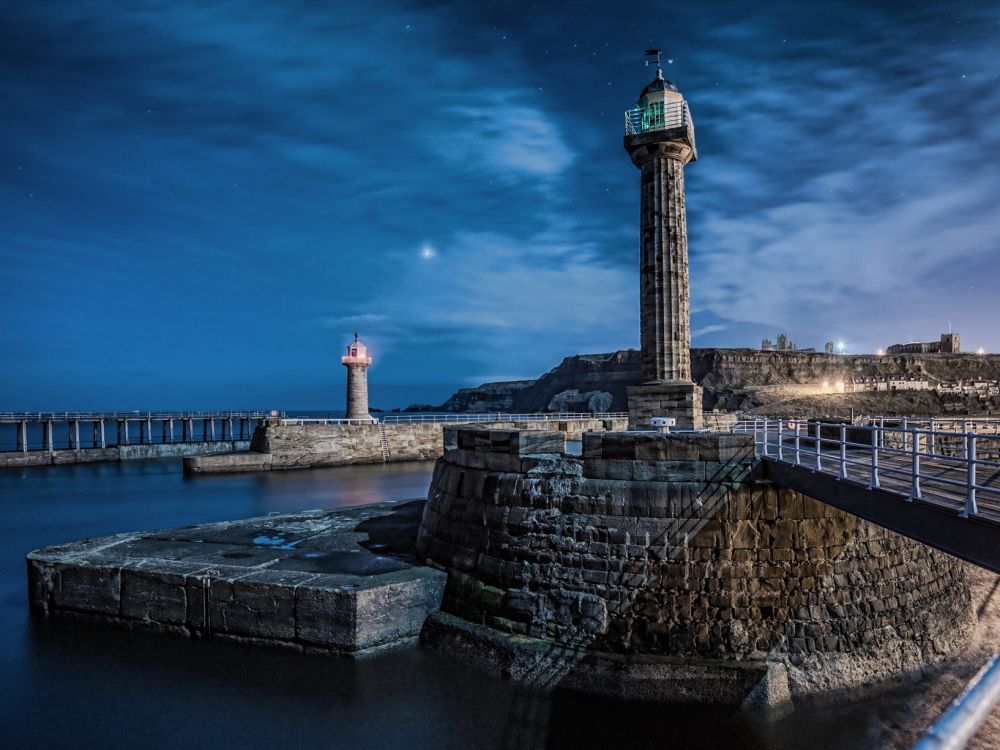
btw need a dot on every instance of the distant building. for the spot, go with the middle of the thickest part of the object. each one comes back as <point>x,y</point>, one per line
<point>783,345</point>
<point>950,343</point>
<point>828,347</point>
<point>861,385</point>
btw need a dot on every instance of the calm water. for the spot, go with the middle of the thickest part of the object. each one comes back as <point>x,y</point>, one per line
<point>67,685</point>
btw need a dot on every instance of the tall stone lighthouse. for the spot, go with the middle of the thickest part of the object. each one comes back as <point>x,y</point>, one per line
<point>659,138</point>
<point>357,363</point>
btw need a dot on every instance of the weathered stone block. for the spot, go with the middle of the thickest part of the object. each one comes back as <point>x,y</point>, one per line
<point>157,593</point>
<point>532,442</point>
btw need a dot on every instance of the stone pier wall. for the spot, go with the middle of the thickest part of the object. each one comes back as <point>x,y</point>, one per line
<point>665,545</point>
<point>16,459</point>
<point>300,446</point>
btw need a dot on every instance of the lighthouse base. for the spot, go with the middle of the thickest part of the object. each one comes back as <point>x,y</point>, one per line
<point>678,399</point>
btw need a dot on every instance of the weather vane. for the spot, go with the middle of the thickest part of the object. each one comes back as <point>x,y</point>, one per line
<point>659,65</point>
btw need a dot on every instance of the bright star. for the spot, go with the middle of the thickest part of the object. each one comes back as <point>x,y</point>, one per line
<point>427,252</point>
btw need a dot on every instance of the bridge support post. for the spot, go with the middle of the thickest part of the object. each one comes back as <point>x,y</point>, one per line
<point>874,484</point>
<point>103,441</point>
<point>970,486</point>
<point>76,434</point>
<point>843,451</point>
<point>22,436</point>
<point>915,445</point>
<point>149,429</point>
<point>49,439</point>
<point>171,421</point>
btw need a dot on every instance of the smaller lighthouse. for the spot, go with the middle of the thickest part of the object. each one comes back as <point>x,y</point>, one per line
<point>357,362</point>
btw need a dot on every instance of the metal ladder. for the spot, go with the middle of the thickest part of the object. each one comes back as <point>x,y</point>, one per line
<point>383,441</point>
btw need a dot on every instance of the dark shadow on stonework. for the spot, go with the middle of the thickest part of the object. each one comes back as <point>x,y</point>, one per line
<point>394,534</point>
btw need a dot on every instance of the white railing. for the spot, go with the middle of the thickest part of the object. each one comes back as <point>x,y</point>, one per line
<point>92,416</point>
<point>961,468</point>
<point>658,116</point>
<point>500,417</point>
<point>319,420</point>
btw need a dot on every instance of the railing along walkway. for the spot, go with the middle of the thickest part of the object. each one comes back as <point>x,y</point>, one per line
<point>953,470</point>
<point>501,417</point>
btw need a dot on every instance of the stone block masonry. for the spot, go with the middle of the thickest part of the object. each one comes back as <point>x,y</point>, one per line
<point>305,580</point>
<point>14,460</point>
<point>301,446</point>
<point>677,399</point>
<point>653,547</point>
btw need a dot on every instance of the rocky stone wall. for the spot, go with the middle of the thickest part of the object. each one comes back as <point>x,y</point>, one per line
<point>578,379</point>
<point>665,545</point>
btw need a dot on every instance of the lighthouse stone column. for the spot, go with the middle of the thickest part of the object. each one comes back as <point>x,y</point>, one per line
<point>659,139</point>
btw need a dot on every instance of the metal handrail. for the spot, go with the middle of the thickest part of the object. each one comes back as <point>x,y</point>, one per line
<point>501,417</point>
<point>962,719</point>
<point>320,420</point>
<point>659,116</point>
<point>88,416</point>
<point>785,438</point>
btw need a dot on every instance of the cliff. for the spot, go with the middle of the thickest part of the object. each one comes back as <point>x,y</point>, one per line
<point>484,398</point>
<point>737,379</point>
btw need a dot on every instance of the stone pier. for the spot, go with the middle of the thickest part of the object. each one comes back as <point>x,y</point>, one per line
<point>660,566</point>
<point>343,581</point>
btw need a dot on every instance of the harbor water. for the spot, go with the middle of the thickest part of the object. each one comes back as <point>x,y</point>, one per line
<point>73,685</point>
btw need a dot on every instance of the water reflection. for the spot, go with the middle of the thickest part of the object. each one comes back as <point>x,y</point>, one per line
<point>72,685</point>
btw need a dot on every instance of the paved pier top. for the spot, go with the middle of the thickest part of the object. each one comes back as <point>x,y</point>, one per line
<point>342,580</point>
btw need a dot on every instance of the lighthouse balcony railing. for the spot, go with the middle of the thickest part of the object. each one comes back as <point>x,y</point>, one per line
<point>658,116</point>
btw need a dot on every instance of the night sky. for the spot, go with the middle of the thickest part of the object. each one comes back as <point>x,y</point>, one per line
<point>202,201</point>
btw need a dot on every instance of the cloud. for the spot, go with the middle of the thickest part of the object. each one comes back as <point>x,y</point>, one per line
<point>512,140</point>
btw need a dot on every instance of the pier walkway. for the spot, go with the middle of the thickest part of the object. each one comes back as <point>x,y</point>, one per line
<point>49,431</point>
<point>934,483</point>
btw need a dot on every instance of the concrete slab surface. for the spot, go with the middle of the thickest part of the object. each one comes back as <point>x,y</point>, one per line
<point>345,581</point>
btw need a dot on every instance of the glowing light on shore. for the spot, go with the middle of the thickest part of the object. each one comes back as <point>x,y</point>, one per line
<point>879,352</point>
<point>980,351</point>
